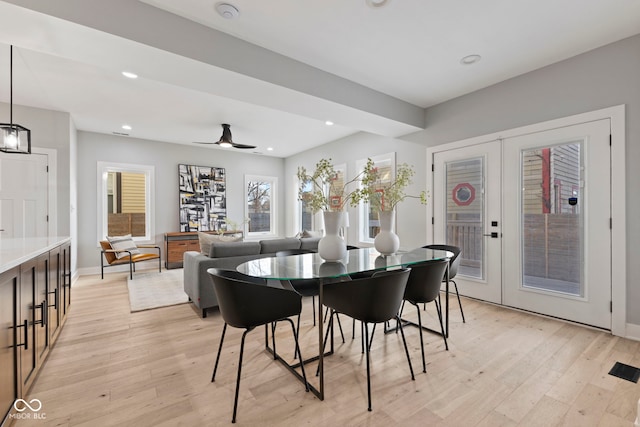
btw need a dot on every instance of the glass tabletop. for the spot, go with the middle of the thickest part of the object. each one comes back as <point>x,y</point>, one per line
<point>310,266</point>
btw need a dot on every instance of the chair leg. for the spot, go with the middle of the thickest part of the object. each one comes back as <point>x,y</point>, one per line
<point>313,305</point>
<point>215,368</point>
<point>326,312</point>
<point>366,335</point>
<point>444,336</point>
<point>130,268</point>
<point>406,349</point>
<point>273,339</point>
<point>455,285</point>
<point>235,402</point>
<point>424,363</point>
<point>297,332</point>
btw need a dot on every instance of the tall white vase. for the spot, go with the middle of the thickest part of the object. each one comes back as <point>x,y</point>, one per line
<point>386,241</point>
<point>332,247</point>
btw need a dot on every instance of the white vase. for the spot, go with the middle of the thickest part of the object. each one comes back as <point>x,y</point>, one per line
<point>386,241</point>
<point>332,247</point>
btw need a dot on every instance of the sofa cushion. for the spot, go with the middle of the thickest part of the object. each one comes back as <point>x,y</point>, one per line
<point>206,239</point>
<point>229,249</point>
<point>275,245</point>
<point>309,243</point>
<point>311,233</point>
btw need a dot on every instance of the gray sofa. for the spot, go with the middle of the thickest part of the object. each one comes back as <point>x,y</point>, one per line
<point>228,255</point>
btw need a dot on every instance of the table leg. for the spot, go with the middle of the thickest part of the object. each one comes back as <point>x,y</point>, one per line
<point>446,295</point>
<point>320,340</point>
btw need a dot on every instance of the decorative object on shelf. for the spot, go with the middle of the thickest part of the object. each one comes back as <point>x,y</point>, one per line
<point>384,195</point>
<point>329,193</point>
<point>203,200</point>
<point>15,138</point>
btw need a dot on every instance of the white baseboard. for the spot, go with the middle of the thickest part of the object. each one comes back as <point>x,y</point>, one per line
<point>633,332</point>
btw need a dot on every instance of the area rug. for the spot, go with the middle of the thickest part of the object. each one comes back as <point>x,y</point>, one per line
<point>154,289</point>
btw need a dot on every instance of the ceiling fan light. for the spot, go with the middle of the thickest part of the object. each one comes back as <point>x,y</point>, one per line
<point>225,144</point>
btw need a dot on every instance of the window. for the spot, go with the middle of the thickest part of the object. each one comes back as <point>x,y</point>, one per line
<point>305,214</point>
<point>368,223</point>
<point>125,201</point>
<point>261,205</point>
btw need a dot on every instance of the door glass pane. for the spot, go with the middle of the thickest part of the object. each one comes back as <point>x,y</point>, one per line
<point>552,223</point>
<point>465,213</point>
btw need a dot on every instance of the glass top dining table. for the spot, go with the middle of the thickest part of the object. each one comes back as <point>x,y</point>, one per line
<point>312,266</point>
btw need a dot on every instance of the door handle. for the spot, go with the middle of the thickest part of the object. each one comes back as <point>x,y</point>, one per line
<point>493,235</point>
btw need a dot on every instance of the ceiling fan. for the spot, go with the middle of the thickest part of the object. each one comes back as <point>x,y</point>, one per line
<point>226,141</point>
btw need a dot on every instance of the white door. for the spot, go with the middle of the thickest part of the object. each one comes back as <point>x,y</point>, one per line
<point>557,237</point>
<point>466,209</point>
<point>23,195</point>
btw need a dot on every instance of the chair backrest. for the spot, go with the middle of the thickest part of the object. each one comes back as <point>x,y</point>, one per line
<point>455,261</point>
<point>425,281</point>
<point>246,302</point>
<point>372,299</point>
<point>108,256</point>
<point>294,252</point>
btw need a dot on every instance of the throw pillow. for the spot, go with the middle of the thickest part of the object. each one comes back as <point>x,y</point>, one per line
<point>311,233</point>
<point>206,239</point>
<point>123,243</point>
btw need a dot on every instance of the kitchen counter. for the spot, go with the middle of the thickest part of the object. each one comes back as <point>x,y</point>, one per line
<point>16,251</point>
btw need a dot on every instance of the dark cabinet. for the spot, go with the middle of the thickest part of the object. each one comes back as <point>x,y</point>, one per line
<point>34,301</point>
<point>11,335</point>
<point>33,316</point>
<point>54,291</point>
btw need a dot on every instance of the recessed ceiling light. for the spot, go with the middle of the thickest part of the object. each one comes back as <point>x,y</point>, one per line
<point>126,127</point>
<point>376,3</point>
<point>470,59</point>
<point>269,148</point>
<point>130,75</point>
<point>328,123</point>
<point>227,11</point>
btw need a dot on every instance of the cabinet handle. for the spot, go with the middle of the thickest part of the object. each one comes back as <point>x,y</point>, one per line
<point>25,325</point>
<point>45,313</point>
<point>43,309</point>
<point>55,298</point>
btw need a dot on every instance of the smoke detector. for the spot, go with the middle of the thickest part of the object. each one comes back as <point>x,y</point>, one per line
<point>227,11</point>
<point>376,3</point>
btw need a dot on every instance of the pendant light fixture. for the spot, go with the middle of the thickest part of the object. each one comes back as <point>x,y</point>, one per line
<point>13,137</point>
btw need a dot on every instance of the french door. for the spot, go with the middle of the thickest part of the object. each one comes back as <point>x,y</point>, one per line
<point>531,214</point>
<point>467,210</point>
<point>557,237</point>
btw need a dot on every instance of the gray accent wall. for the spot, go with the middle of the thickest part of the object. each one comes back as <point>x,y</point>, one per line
<point>601,78</point>
<point>165,157</point>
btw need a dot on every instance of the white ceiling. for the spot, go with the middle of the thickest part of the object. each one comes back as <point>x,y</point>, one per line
<point>290,64</point>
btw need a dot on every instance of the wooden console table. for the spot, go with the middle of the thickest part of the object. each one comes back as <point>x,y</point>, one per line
<point>177,243</point>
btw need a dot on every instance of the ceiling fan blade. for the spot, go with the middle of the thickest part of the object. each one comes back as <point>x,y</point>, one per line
<point>243,146</point>
<point>206,143</point>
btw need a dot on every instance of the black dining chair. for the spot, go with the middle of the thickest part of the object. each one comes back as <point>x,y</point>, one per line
<point>423,286</point>
<point>247,302</point>
<point>374,299</point>
<point>454,263</point>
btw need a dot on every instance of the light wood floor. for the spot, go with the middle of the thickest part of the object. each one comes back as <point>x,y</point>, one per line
<point>111,367</point>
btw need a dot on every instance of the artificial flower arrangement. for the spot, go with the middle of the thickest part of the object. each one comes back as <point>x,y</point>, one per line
<point>328,193</point>
<point>383,195</point>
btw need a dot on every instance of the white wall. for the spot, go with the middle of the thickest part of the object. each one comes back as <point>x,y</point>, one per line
<point>411,219</point>
<point>165,157</point>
